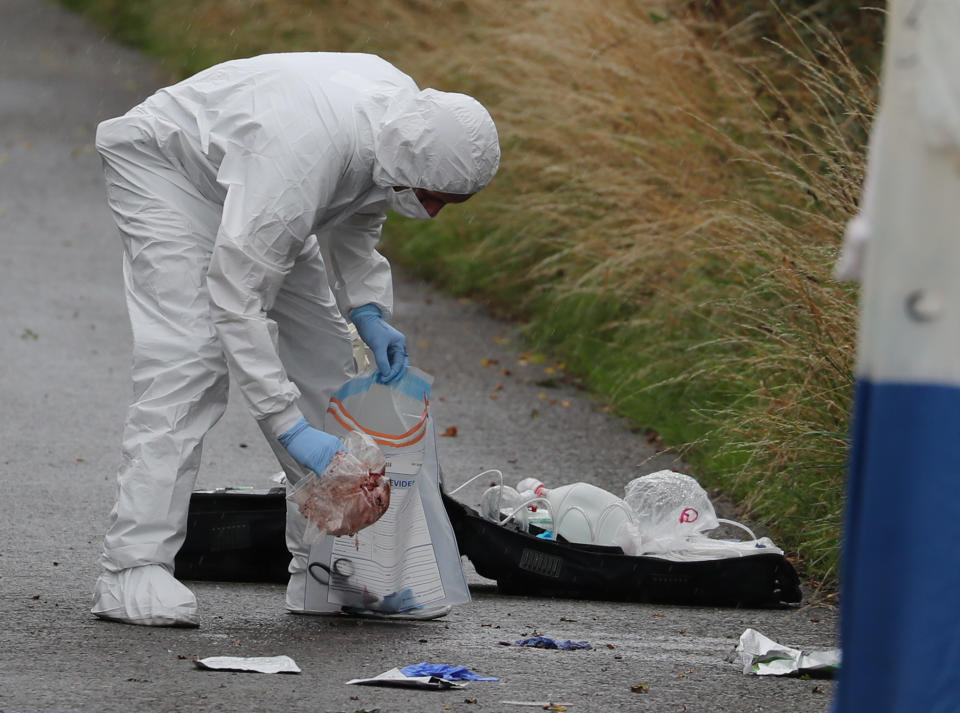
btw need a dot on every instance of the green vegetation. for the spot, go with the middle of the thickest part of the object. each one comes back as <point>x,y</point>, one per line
<point>675,181</point>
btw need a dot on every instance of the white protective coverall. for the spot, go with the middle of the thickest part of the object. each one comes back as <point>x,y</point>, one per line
<point>220,186</point>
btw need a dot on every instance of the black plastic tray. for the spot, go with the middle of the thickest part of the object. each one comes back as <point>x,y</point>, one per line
<point>524,564</point>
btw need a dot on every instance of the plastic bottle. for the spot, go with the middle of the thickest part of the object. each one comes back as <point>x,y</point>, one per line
<point>498,501</point>
<point>583,512</point>
<point>537,514</point>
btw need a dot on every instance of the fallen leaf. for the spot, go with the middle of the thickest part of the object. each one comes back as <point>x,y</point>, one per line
<point>506,372</point>
<point>656,613</point>
<point>565,404</point>
<point>79,460</point>
<point>611,646</point>
<point>423,344</point>
<point>450,432</point>
<point>469,700</point>
<point>818,689</point>
<point>640,688</point>
<point>549,370</point>
<point>494,396</point>
<point>500,340</point>
<point>498,387</point>
<point>489,362</point>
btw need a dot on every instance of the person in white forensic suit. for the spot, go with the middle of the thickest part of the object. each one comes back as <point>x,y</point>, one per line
<point>225,187</point>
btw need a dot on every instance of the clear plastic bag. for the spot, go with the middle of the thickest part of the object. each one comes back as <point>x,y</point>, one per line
<point>353,492</point>
<point>670,508</point>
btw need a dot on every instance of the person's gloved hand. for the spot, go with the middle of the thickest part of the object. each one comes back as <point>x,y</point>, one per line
<point>311,448</point>
<point>388,345</point>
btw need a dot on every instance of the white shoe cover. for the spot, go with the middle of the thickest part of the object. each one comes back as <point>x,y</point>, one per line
<point>147,595</point>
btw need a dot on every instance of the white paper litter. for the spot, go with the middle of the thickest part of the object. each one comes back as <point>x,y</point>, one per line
<point>765,657</point>
<point>258,664</point>
<point>394,677</point>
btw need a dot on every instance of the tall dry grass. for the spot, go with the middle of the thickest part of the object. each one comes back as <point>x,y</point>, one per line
<point>707,192</point>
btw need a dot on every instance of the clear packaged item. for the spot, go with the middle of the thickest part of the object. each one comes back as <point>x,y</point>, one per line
<point>353,492</point>
<point>669,509</point>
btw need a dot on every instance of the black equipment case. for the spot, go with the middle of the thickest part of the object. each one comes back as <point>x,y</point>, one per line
<point>235,535</point>
<point>238,535</point>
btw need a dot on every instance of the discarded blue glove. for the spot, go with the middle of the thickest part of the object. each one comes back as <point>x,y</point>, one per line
<point>402,600</point>
<point>445,671</point>
<point>388,345</point>
<point>311,448</point>
<point>543,642</point>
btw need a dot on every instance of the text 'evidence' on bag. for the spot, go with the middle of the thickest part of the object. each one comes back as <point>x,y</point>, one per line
<point>408,561</point>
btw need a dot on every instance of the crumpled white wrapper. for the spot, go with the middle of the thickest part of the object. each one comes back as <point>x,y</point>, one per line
<point>256,664</point>
<point>395,678</point>
<point>765,657</point>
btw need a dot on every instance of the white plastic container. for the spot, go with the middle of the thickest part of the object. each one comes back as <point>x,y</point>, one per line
<point>584,513</point>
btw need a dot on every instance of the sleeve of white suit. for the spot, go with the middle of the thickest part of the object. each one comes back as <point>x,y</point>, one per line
<point>273,198</point>
<point>361,275</point>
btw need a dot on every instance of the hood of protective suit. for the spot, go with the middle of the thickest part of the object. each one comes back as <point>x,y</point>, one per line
<point>439,141</point>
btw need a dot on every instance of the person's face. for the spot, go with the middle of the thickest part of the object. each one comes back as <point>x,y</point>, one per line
<point>434,201</point>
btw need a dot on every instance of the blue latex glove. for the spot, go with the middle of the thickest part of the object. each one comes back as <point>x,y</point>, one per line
<point>389,346</point>
<point>311,448</point>
<point>445,671</point>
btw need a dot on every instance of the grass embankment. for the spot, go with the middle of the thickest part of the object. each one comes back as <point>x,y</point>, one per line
<point>665,220</point>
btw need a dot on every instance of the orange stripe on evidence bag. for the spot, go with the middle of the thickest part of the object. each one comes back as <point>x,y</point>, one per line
<point>380,441</point>
<point>358,427</point>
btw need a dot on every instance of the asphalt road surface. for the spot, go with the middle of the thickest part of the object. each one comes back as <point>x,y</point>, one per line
<point>64,355</point>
